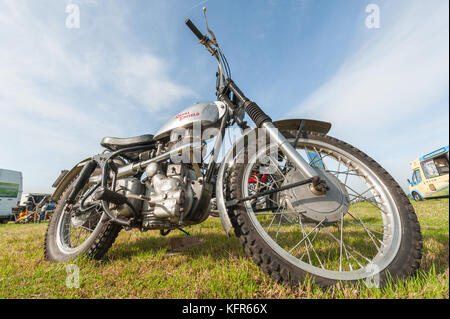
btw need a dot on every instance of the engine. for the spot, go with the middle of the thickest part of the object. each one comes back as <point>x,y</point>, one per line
<point>170,193</point>
<point>163,198</point>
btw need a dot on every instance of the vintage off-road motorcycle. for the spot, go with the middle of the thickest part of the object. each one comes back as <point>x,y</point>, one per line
<point>303,204</point>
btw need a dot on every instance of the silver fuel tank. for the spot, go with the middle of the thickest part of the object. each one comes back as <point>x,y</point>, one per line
<point>207,114</point>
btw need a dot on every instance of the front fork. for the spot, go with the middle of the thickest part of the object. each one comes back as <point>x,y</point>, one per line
<point>287,149</point>
<point>262,120</point>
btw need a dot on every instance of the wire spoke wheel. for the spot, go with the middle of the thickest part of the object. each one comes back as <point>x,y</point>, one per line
<point>75,227</point>
<point>352,232</point>
<point>73,231</point>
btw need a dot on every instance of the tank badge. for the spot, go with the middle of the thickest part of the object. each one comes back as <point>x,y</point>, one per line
<point>185,115</point>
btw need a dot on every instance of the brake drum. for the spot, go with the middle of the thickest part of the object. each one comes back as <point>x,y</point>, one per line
<point>331,205</point>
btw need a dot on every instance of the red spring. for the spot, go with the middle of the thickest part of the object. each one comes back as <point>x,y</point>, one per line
<point>255,177</point>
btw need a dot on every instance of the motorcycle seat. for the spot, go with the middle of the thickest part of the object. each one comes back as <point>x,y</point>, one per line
<point>115,143</point>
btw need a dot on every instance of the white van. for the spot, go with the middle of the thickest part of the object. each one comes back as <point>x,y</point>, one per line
<point>10,193</point>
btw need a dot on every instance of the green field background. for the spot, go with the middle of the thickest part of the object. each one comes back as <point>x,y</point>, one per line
<point>139,266</point>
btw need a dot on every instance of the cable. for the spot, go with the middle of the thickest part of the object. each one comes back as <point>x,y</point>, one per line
<point>225,63</point>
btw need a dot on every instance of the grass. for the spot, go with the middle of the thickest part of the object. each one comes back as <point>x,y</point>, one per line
<point>286,232</point>
<point>138,266</point>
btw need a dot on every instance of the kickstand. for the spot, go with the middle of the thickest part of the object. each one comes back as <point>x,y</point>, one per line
<point>184,231</point>
<point>164,232</point>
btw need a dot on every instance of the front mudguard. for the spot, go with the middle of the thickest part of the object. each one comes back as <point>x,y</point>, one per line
<point>233,152</point>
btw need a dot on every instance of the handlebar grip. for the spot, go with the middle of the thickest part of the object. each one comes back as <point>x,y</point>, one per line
<point>194,29</point>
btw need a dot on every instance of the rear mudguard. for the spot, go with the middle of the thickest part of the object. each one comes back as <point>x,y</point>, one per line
<point>228,160</point>
<point>62,183</point>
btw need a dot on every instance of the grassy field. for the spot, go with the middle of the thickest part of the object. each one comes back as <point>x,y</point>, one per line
<point>139,266</point>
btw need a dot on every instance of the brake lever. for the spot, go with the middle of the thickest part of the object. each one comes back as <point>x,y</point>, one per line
<point>213,37</point>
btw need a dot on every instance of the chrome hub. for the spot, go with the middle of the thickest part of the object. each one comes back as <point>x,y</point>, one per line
<point>329,206</point>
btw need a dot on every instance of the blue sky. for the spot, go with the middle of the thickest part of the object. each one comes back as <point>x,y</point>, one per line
<point>133,64</point>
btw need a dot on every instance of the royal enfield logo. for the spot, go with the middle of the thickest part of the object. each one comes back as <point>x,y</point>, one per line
<point>186,115</point>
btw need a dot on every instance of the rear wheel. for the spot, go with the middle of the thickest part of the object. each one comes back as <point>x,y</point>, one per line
<point>72,233</point>
<point>363,228</point>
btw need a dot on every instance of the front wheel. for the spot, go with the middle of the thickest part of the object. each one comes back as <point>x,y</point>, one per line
<point>362,229</point>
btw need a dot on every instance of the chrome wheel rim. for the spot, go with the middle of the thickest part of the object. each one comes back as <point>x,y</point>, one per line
<point>377,218</point>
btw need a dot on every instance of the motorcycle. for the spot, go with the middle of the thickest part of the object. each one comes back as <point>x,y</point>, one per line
<point>302,203</point>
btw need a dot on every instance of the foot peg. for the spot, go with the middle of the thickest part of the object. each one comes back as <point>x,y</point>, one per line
<point>110,196</point>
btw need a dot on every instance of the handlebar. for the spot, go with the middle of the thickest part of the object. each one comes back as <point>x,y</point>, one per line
<point>253,110</point>
<point>194,29</point>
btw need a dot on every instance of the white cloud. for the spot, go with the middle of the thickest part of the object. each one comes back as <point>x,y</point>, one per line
<point>144,78</point>
<point>61,89</point>
<point>401,70</point>
<point>381,97</point>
